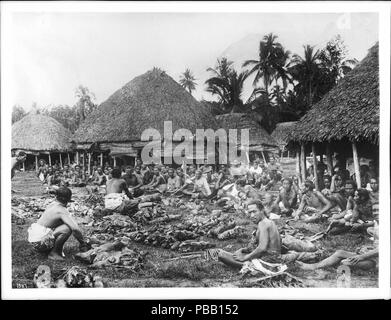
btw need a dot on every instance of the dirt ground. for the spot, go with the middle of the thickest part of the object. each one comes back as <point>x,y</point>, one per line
<point>180,273</point>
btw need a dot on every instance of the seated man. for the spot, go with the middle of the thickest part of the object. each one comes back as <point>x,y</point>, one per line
<point>287,197</point>
<point>173,181</point>
<point>269,205</point>
<point>116,192</point>
<point>78,178</point>
<point>136,182</point>
<point>67,174</point>
<point>158,183</point>
<point>54,227</point>
<point>327,184</point>
<point>201,187</point>
<point>374,195</point>
<point>275,183</point>
<point>358,215</point>
<point>365,258</point>
<point>267,238</point>
<point>313,202</point>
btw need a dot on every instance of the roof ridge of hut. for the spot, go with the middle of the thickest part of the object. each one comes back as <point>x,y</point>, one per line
<point>349,110</point>
<point>38,132</point>
<point>144,102</point>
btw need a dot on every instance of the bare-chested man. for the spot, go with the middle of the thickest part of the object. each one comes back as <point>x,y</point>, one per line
<point>267,238</point>
<point>313,202</point>
<point>287,197</point>
<point>54,227</point>
<point>116,189</point>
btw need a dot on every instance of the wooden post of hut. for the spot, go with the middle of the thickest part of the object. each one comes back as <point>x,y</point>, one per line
<point>329,159</point>
<point>89,162</point>
<point>77,157</point>
<point>60,160</point>
<point>303,168</point>
<point>298,172</point>
<point>50,160</point>
<point>23,166</point>
<point>36,163</point>
<point>356,165</point>
<point>69,159</point>
<point>315,166</point>
<point>101,159</point>
<point>115,161</point>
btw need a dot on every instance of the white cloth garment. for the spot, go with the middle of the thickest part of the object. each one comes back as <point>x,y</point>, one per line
<point>37,233</point>
<point>114,200</point>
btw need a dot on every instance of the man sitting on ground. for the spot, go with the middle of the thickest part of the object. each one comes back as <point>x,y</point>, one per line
<point>312,203</point>
<point>267,238</point>
<point>173,181</point>
<point>54,227</point>
<point>116,192</point>
<point>78,178</point>
<point>287,197</point>
<point>270,206</point>
<point>201,187</point>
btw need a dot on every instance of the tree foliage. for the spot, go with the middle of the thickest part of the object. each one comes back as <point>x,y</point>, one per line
<point>17,113</point>
<point>187,80</point>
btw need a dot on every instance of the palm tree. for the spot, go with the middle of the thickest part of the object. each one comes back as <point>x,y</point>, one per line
<point>305,70</point>
<point>187,80</point>
<point>85,101</point>
<point>271,64</point>
<point>227,84</point>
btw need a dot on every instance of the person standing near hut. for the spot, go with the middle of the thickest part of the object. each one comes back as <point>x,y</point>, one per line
<point>20,158</point>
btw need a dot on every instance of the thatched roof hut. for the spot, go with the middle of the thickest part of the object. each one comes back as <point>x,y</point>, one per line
<point>260,140</point>
<point>145,102</point>
<point>281,133</point>
<point>349,111</point>
<point>38,133</point>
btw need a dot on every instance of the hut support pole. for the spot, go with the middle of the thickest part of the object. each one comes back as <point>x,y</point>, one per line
<point>60,160</point>
<point>356,165</point>
<point>77,157</point>
<point>329,159</point>
<point>302,162</point>
<point>50,160</point>
<point>36,163</point>
<point>315,167</point>
<point>298,173</point>
<point>264,158</point>
<point>69,159</point>
<point>23,167</point>
<point>115,161</point>
<point>89,162</point>
<point>101,159</point>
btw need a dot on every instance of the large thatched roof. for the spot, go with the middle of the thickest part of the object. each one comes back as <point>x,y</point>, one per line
<point>350,110</point>
<point>258,135</point>
<point>282,131</point>
<point>36,132</point>
<point>145,102</point>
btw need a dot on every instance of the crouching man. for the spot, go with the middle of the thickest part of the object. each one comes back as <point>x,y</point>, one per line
<point>54,227</point>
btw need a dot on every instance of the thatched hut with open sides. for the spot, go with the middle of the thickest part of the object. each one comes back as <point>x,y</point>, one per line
<point>41,136</point>
<point>281,135</point>
<point>346,120</point>
<point>145,102</point>
<point>261,143</point>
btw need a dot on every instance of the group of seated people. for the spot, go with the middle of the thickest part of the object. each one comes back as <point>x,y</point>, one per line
<point>266,194</point>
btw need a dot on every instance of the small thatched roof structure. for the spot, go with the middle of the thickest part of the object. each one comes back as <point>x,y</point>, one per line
<point>281,133</point>
<point>349,111</point>
<point>258,135</point>
<point>145,102</point>
<point>36,132</point>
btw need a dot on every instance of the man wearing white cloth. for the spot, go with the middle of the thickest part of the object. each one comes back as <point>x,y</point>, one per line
<point>117,193</point>
<point>54,227</point>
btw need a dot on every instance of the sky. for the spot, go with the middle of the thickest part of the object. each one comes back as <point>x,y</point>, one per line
<point>55,52</point>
